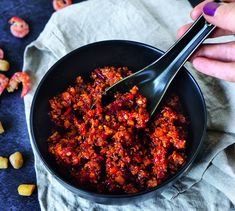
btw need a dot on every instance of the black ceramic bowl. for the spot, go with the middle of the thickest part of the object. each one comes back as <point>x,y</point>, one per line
<point>111,53</point>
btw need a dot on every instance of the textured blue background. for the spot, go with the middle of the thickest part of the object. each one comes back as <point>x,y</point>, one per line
<point>12,115</point>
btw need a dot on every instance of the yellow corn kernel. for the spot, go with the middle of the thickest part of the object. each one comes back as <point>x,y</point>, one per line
<point>16,160</point>
<point>3,163</point>
<point>26,189</point>
<point>4,65</point>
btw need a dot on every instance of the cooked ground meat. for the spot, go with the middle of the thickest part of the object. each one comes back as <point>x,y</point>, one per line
<point>115,148</point>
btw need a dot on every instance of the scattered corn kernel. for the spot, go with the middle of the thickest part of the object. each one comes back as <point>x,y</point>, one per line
<point>16,160</point>
<point>4,65</point>
<point>3,163</point>
<point>26,189</point>
<point>1,128</point>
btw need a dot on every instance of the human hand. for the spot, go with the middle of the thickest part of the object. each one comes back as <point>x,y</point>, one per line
<point>217,60</point>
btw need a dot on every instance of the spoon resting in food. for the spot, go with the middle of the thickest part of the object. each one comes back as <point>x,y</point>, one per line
<point>154,80</point>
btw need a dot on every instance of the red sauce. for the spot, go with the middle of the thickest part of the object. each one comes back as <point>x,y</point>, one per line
<point>115,148</point>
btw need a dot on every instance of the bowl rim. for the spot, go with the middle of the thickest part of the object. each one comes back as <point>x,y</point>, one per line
<point>83,192</point>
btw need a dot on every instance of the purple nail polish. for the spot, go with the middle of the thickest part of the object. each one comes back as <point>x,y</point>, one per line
<point>210,8</point>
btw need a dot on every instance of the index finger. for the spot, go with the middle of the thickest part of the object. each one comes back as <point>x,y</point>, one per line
<point>198,10</point>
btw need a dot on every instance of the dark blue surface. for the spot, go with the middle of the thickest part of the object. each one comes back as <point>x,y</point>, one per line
<point>12,114</point>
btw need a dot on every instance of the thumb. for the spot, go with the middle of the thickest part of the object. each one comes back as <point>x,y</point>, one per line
<point>221,15</point>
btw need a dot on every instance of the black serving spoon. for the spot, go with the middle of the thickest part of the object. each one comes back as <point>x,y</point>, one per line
<point>154,79</point>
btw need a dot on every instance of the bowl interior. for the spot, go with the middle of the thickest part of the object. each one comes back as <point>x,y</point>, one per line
<point>111,53</point>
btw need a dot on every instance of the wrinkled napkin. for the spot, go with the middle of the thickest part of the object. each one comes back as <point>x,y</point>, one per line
<point>210,183</point>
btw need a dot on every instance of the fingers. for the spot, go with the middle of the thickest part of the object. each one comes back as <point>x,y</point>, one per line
<point>222,15</point>
<point>217,60</point>
<point>218,69</point>
<point>198,10</point>
<point>224,52</point>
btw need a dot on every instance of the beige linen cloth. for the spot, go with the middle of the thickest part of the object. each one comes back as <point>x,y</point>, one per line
<point>210,183</point>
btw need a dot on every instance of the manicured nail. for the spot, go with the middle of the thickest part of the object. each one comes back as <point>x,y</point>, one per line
<point>210,8</point>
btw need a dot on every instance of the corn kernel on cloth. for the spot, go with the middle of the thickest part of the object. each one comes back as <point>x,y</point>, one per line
<point>210,183</point>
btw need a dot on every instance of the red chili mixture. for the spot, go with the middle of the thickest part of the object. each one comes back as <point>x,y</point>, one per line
<point>113,148</point>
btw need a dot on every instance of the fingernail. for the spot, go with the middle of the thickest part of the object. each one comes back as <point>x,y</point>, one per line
<point>210,8</point>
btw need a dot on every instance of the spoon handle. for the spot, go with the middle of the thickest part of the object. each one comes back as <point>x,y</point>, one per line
<point>178,54</point>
